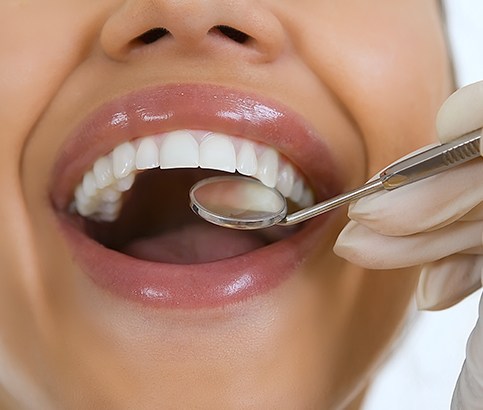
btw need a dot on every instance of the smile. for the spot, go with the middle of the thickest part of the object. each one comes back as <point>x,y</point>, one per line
<point>120,189</point>
<point>99,195</point>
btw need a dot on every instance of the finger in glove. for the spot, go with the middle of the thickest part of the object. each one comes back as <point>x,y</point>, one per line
<point>362,246</point>
<point>445,282</point>
<point>424,205</point>
<point>461,113</point>
<point>469,388</point>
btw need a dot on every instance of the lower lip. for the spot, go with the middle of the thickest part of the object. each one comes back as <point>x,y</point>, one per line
<point>197,286</point>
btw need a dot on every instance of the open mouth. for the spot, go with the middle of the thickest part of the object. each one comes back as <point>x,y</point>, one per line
<point>123,205</point>
<point>141,187</point>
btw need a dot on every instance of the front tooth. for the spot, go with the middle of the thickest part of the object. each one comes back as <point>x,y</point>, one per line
<point>89,184</point>
<point>268,168</point>
<point>147,156</point>
<point>247,163</point>
<point>103,172</point>
<point>217,152</point>
<point>123,159</point>
<point>286,179</point>
<point>179,149</point>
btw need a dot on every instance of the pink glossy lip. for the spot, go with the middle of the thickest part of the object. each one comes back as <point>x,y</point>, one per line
<point>191,106</point>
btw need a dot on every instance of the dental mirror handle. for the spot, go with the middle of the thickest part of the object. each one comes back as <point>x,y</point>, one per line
<point>406,171</point>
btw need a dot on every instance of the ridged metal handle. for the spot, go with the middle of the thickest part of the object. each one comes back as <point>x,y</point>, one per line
<point>462,152</point>
<point>432,161</point>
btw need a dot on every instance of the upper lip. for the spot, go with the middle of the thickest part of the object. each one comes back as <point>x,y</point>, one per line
<point>195,106</point>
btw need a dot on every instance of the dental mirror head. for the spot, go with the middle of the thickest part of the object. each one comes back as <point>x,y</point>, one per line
<point>237,202</point>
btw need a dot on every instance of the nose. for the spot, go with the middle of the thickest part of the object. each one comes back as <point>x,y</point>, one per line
<point>191,26</point>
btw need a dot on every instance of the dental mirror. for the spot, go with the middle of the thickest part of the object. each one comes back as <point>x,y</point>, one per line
<point>237,202</point>
<point>245,203</point>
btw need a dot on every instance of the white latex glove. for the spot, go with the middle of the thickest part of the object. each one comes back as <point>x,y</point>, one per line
<point>437,223</point>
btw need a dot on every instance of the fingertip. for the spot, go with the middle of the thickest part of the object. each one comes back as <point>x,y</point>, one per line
<point>444,283</point>
<point>349,241</point>
<point>461,113</point>
<point>357,244</point>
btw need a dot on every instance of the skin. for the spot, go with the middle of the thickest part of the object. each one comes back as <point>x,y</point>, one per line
<point>368,75</point>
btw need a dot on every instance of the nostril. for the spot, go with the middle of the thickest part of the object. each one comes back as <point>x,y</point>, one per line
<point>233,34</point>
<point>157,33</point>
<point>152,35</point>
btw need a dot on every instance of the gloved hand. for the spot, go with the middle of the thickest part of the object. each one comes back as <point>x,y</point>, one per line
<point>436,223</point>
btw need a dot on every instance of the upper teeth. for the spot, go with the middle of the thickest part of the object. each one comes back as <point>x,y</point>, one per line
<point>99,195</point>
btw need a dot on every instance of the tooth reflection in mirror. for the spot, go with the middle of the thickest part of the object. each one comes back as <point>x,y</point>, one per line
<point>237,202</point>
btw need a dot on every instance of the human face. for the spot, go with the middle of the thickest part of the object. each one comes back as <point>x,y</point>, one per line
<point>338,88</point>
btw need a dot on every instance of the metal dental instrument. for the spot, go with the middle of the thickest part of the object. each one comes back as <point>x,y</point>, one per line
<point>245,203</point>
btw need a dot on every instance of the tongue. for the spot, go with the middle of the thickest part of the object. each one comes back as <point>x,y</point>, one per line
<point>194,244</point>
